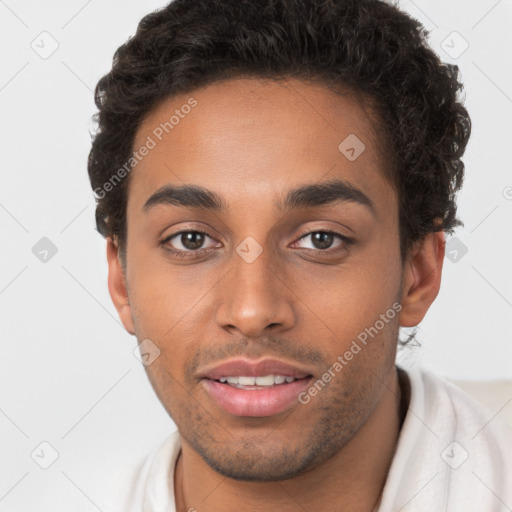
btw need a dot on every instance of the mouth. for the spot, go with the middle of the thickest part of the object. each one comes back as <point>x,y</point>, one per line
<point>255,389</point>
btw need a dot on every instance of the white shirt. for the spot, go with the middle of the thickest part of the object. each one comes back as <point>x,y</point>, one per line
<point>451,456</point>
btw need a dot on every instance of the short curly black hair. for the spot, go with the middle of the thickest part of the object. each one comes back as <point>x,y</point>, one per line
<point>369,47</point>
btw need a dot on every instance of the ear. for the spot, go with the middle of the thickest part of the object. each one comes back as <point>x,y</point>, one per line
<point>422,278</point>
<point>117,286</point>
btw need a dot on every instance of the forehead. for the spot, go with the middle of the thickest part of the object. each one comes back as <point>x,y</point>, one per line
<point>251,138</point>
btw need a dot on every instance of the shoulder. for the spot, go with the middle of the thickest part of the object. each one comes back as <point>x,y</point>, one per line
<point>453,411</point>
<point>452,454</point>
<point>148,485</point>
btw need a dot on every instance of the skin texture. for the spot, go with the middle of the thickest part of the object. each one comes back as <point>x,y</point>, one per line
<point>250,141</point>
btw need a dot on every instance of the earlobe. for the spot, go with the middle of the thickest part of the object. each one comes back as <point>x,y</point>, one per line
<point>117,286</point>
<point>422,278</point>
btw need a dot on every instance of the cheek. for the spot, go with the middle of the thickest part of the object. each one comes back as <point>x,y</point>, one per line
<point>172,301</point>
<point>163,295</point>
<point>354,295</point>
<point>359,306</point>
<point>169,308</point>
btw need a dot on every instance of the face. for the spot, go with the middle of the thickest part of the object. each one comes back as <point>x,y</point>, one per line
<point>254,269</point>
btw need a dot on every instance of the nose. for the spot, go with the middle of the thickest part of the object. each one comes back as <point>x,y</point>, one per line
<point>255,297</point>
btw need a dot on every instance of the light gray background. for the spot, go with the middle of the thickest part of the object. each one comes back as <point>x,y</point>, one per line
<point>68,375</point>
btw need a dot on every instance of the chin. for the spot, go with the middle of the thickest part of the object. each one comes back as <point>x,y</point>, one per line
<point>262,471</point>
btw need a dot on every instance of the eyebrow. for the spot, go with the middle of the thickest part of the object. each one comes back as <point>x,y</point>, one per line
<point>310,195</point>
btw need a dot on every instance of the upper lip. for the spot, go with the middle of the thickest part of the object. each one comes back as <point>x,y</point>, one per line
<point>251,368</point>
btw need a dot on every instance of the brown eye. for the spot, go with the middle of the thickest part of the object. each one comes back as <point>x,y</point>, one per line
<point>192,240</point>
<point>187,241</point>
<point>323,240</point>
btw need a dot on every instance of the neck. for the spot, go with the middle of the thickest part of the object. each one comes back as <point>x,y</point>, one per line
<point>354,476</point>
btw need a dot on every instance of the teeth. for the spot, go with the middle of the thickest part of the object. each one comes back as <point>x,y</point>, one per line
<point>246,381</point>
<point>266,380</point>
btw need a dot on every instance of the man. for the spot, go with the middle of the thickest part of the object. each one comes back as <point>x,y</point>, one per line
<point>274,179</point>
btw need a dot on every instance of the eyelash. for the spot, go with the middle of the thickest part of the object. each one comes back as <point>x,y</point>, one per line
<point>195,254</point>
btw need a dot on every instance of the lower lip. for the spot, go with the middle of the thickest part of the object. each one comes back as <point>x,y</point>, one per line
<point>256,402</point>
